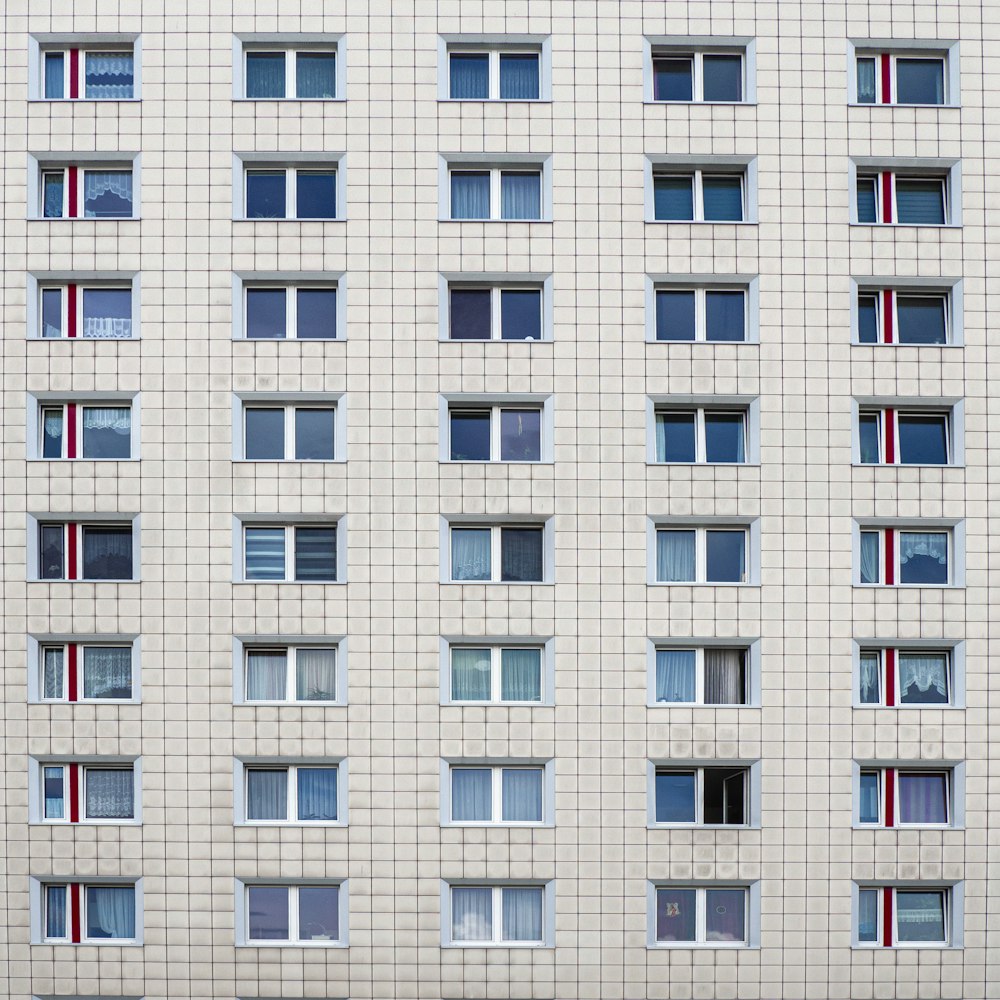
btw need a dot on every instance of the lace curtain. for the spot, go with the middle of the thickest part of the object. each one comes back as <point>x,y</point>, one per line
<point>675,556</point>
<point>52,673</point>
<point>55,911</point>
<point>317,794</point>
<point>107,553</point>
<point>520,674</point>
<point>923,677</point>
<point>522,913</point>
<point>869,553</point>
<point>107,672</point>
<point>725,914</point>
<point>109,793</point>
<point>110,911</point>
<point>107,313</point>
<point>107,194</point>
<point>108,418</point>
<point>470,553</point>
<point>870,680</point>
<point>52,195</point>
<point>521,554</point>
<point>520,195</point>
<point>109,75</point>
<point>866,81</point>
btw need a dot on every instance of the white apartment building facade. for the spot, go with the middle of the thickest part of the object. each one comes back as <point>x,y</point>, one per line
<point>496,500</point>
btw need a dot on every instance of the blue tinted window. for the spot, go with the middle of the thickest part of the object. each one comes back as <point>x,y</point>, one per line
<point>723,198</point>
<point>316,75</point>
<point>723,78</point>
<point>520,435</point>
<point>673,79</point>
<point>470,194</point>
<point>54,77</point>
<point>314,434</point>
<point>264,551</point>
<point>675,315</point>
<point>923,557</point>
<point>675,437</point>
<point>53,188</point>
<point>470,314</point>
<point>673,199</point>
<point>724,437</point>
<point>725,316</point>
<point>521,555</point>
<point>52,312</point>
<point>265,75</point>
<point>316,194</point>
<point>923,438</point>
<point>520,195</point>
<point>316,554</point>
<point>520,314</point>
<point>264,436</point>
<point>867,212</point>
<point>920,202</point>
<point>469,76</point>
<point>919,81</point>
<point>265,313</point>
<point>868,319</point>
<point>107,194</point>
<point>868,432</point>
<point>921,319</point>
<point>470,435</point>
<point>725,556</point>
<point>868,798</point>
<point>107,553</point>
<point>107,313</point>
<point>675,797</point>
<point>316,314</point>
<point>266,194</point>
<point>519,77</point>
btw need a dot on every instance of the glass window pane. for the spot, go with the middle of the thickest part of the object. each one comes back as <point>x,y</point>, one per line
<point>107,553</point>
<point>723,198</point>
<point>107,313</point>
<point>266,313</point>
<point>870,553</point>
<point>108,793</point>
<point>107,672</point>
<point>522,795</point>
<point>51,550</point>
<point>265,75</point>
<point>520,674</point>
<point>869,449</point>
<point>470,675</point>
<point>522,913</point>
<point>923,557</point>
<point>518,76</point>
<point>725,676</point>
<point>264,434</point>
<point>725,316</point>
<point>869,798</point>
<point>920,202</point>
<point>919,81</point>
<point>53,186</point>
<point>107,432</point>
<point>319,913</point>
<point>54,85</point>
<point>471,913</point>
<point>316,314</point>
<point>52,432</point>
<point>110,911</point>
<point>673,79</point>
<point>470,194</point>
<point>470,435</point>
<point>264,550</point>
<point>470,314</point>
<point>469,76</point>
<point>723,79</point>
<point>868,319</point>
<point>521,555</point>
<point>923,678</point>
<point>673,199</point>
<point>923,439</point>
<point>921,319</point>
<point>923,798</point>
<point>470,553</point>
<point>676,914</point>
<point>52,323</point>
<point>724,437</point>
<point>55,912</point>
<point>317,794</point>
<point>267,675</point>
<point>675,315</point>
<point>314,434</point>
<point>316,554</point>
<point>725,915</point>
<point>315,674</point>
<point>675,556</point>
<point>866,81</point>
<point>520,435</point>
<point>866,207</point>
<point>266,194</point>
<point>109,76</point>
<point>725,558</point>
<point>870,679</point>
<point>520,195</point>
<point>267,794</point>
<point>53,676</point>
<point>267,907</point>
<point>868,922</point>
<point>520,314</point>
<point>107,194</point>
<point>675,675</point>
<point>675,797</point>
<point>919,916</point>
<point>53,793</point>
<point>675,437</point>
<point>315,194</point>
<point>316,75</point>
<point>471,794</point>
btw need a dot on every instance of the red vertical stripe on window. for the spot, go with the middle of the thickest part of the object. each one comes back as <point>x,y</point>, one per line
<point>886,79</point>
<point>890,677</point>
<point>887,917</point>
<point>74,72</point>
<point>890,556</point>
<point>71,310</point>
<point>888,316</point>
<point>890,796</point>
<point>71,430</point>
<point>73,206</point>
<point>74,910</point>
<point>71,552</point>
<point>890,436</point>
<point>71,675</point>
<point>886,196</point>
<point>74,793</point>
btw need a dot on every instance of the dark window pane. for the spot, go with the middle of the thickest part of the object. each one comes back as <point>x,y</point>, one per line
<point>920,202</point>
<point>923,439</point>
<point>316,314</point>
<point>520,314</point>
<point>673,199</point>
<point>673,79</point>
<point>519,77</point>
<point>866,81</point>
<point>723,79</point>
<point>868,798</point>
<point>521,435</point>
<point>316,194</point>
<point>923,557</point>
<point>520,195</point>
<point>724,437</point>
<point>317,794</point>
<point>675,797</point>
<point>314,434</point>
<point>264,437</point>
<point>725,796</point>
<point>923,798</point>
<point>266,313</point>
<point>469,76</point>
<point>919,81</point>
<point>868,922</point>
<point>316,554</point>
<point>521,555</point>
<point>107,194</point>
<point>267,794</point>
<point>676,914</point>
<point>107,313</point>
<point>265,75</point>
<point>868,319</point>
<point>268,912</point>
<point>869,425</point>
<point>470,435</point>
<point>920,916</point>
<point>266,194</point>
<point>725,560</point>
<point>725,914</point>
<point>52,323</point>
<point>318,913</point>
<point>52,194</point>
<point>470,314</point>
<point>107,553</point>
<point>471,555</point>
<point>54,86</point>
<point>107,431</point>
<point>110,911</point>
<point>108,76</point>
<point>723,198</point>
<point>867,212</point>
<point>923,678</point>
<point>51,552</point>
<point>675,315</point>
<point>725,316</point>
<point>921,319</point>
<point>52,432</point>
<point>470,194</point>
<point>316,75</point>
<point>55,911</point>
<point>675,437</point>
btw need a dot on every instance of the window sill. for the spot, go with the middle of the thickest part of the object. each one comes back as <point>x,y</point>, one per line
<point>84,218</point>
<point>497,704</point>
<point>701,826</point>
<point>76,461</point>
<point>331,218</point>
<point>86,701</point>
<point>916,827</point>
<point>860,343</point>
<point>85,340</point>
<point>935,946</point>
<point>896,104</point>
<point>494,100</point>
<point>919,707</point>
<point>701,104</point>
<point>292,340</point>
<point>84,100</point>
<point>498,944</point>
<point>697,705</point>
<point>98,942</point>
<point>87,822</point>
<point>292,944</point>
<point>293,583</point>
<point>290,704</point>
<point>906,225</point>
<point>906,465</point>
<point>701,946</point>
<point>909,586</point>
<point>708,343</point>
<point>508,222</point>
<point>700,583</point>
<point>278,824</point>
<point>701,222</point>
<point>290,100</point>
<point>497,826</point>
<point>289,461</point>
<point>505,462</point>
<point>495,340</point>
<point>708,465</point>
<point>500,583</point>
<point>38,579</point>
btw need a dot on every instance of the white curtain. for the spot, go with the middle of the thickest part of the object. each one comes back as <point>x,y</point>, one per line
<point>267,794</point>
<point>110,911</point>
<point>107,672</point>
<point>470,553</point>
<point>866,81</point>
<point>52,672</point>
<point>471,913</point>
<point>107,553</point>
<point>870,680</point>
<point>724,680</point>
<point>109,793</point>
<point>55,911</point>
<point>868,915</point>
<point>675,675</point>
<point>520,196</point>
<point>109,75</point>
<point>107,327</point>
<point>520,674</point>
<point>522,913</point>
<point>114,187</point>
<point>315,674</point>
<point>675,555</point>
<point>869,552</point>
<point>471,794</point>
<point>108,418</point>
<point>266,677</point>
<point>317,794</point>
<point>470,675</point>
<point>522,795</point>
<point>923,673</point>
<point>52,432</point>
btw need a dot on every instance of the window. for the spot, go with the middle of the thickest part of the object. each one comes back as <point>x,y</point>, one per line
<point>290,312</point>
<point>905,796</point>
<point>480,432</point>
<point>701,555</point>
<point>706,675</point>
<point>906,197</point>
<point>274,191</point>
<point>503,73</point>
<point>495,312</point>
<point>300,433</point>
<point>87,793</point>
<point>904,437</point>
<point>296,793</point>
<point>504,915</point>
<point>77,912</point>
<point>712,77</point>
<point>272,72</point>
<point>497,553</point>
<point>303,553</point>
<point>74,551</point>
<point>898,557</point>
<point>702,435</point>
<point>499,673</point>
<point>87,671</point>
<point>78,430</point>
<point>106,72</point>
<point>714,314</point>
<point>688,915</point>
<point>295,914</point>
<point>906,77</point>
<point>290,673</point>
<point>699,195</point>
<point>897,316</point>
<point>86,192</point>
<point>502,795</point>
<point>893,916</point>
<point>701,796</point>
<point>510,193</point>
<point>906,677</point>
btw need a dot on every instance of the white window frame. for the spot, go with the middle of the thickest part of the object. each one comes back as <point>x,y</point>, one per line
<point>496,283</point>
<point>448,403</point>
<point>246,162</point>
<point>289,283</point>
<point>954,772</point>
<point>242,522</point>
<point>701,284</point>
<point>496,645</point>
<point>950,290</point>
<point>291,54</point>
<point>751,792</point>
<point>290,645</point>
<point>242,908</point>
<point>36,790</point>
<point>495,527</point>
<point>40,402</point>
<point>696,167</point>
<point>748,408</point>
<point>496,767</point>
<point>954,904</point>
<point>80,521</point>
<point>751,663</point>
<point>38,643</point>
<point>955,651</point>
<point>697,58</point>
<point>955,532</point>
<point>493,46</point>
<point>497,887</point>
<point>40,164</point>
<point>289,42</point>
<point>952,410</point>
<point>676,46</point>
<point>494,166</point>
<point>751,550</point>
<point>289,404</point>
<point>949,172</point>
<point>36,904</point>
<point>41,281</point>
<point>752,912</point>
<point>915,48</point>
<point>41,43</point>
<point>242,765</point>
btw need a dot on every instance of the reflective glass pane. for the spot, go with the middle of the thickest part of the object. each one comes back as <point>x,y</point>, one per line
<point>107,194</point>
<point>264,549</point>
<point>316,314</point>
<point>521,435</point>
<point>107,553</point>
<point>314,434</point>
<point>724,437</point>
<point>316,554</point>
<point>920,202</point>
<point>869,450</point>
<point>319,913</point>
<point>921,319</point>
<point>470,675</point>
<point>266,194</point>
<point>470,314</point>
<point>673,199</point>
<point>725,556</point>
<point>920,916</point>
<point>723,80</point>
<point>52,432</point>
<point>55,912</point>
<point>676,914</point>
<point>869,797</point>
<point>675,437</point>
<point>264,436</point>
<point>469,76</point>
<point>316,75</point>
<point>267,912</point>
<point>866,80</point>
<point>723,198</point>
<point>315,194</point>
<point>868,319</point>
<point>470,553</point>
<point>868,915</point>
<point>675,315</point>
<point>267,794</point>
<point>867,212</point>
<point>109,76</point>
<point>923,798</point>
<point>51,548</point>
<point>521,555</point>
<point>923,439</point>
<point>110,911</point>
<point>470,435</point>
<point>520,195</point>
<point>107,313</point>
<point>53,793</point>
<point>676,675</point>
<point>725,915</point>
<point>316,794</point>
<point>54,87</point>
<point>107,431</point>
<point>52,323</point>
<point>471,794</point>
<point>470,194</point>
<point>266,313</point>
<point>265,75</point>
<point>923,557</point>
<point>520,314</point>
<point>675,797</point>
<point>725,316</point>
<point>919,81</point>
<point>673,79</point>
<point>53,188</point>
<point>519,76</point>
<point>522,794</point>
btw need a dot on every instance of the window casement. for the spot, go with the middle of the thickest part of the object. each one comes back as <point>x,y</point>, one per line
<point>514,431</point>
<point>716,313</point>
<point>93,671</point>
<point>907,557</point>
<point>701,675</point>
<point>78,912</point>
<point>293,432</point>
<point>303,674</point>
<point>712,916</point>
<point>699,76</point>
<point>73,550</point>
<point>905,76</point>
<point>274,72</point>
<point>901,316</point>
<point>99,430</point>
<point>907,677</point>
<point>304,191</point>
<point>297,311</point>
<point>911,916</point>
<point>925,195</point>
<point>497,553</point>
<point>301,794</point>
<point>96,71</point>
<point>493,71</point>
<point>497,914</point>
<point>506,310</point>
<point>98,791</point>
<point>697,554</point>
<point>713,435</point>
<point>503,673</point>
<point>696,795</point>
<point>86,310</point>
<point>483,794</point>
<point>905,796</point>
<point>906,435</point>
<point>301,914</point>
<point>90,190</point>
<point>299,553</point>
<point>682,193</point>
<point>513,191</point>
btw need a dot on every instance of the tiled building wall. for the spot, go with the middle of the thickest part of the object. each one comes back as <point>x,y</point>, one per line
<point>599,492</point>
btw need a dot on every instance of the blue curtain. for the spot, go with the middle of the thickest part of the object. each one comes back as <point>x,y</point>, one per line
<point>519,77</point>
<point>107,672</point>
<point>52,672</point>
<point>110,911</point>
<point>317,794</point>
<point>54,77</point>
<point>316,75</point>
<point>471,794</point>
<point>470,675</point>
<point>109,76</point>
<point>471,913</point>
<point>470,194</point>
<point>675,556</point>
<point>265,75</point>
<point>520,674</point>
<point>109,793</point>
<point>675,437</point>
<point>725,316</point>
<point>267,793</point>
<point>469,76</point>
<point>869,553</point>
<point>675,315</point>
<point>55,912</point>
<point>265,553</point>
<point>866,81</point>
<point>266,675</point>
<point>522,913</point>
<point>522,794</point>
<point>920,202</point>
<point>675,675</point>
<point>870,679</point>
<point>107,194</point>
<point>673,198</point>
<point>316,674</point>
<point>55,792</point>
<point>470,553</point>
<point>53,183</point>
<point>520,195</point>
<point>722,198</point>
